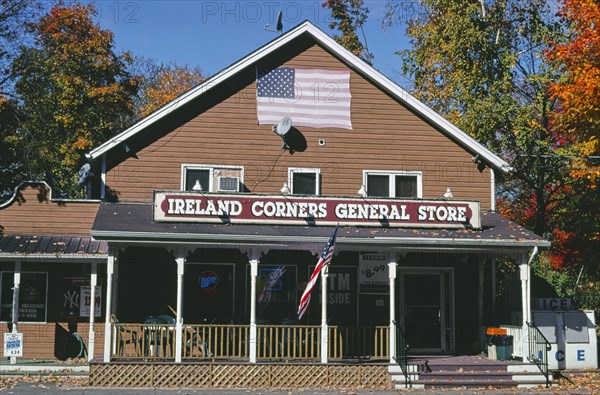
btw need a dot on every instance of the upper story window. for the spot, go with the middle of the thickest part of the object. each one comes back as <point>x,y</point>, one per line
<point>211,178</point>
<point>399,184</point>
<point>304,181</point>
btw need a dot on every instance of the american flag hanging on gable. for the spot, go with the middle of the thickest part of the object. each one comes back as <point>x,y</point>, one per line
<point>311,97</point>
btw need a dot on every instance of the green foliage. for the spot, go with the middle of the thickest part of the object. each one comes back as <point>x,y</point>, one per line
<point>349,17</point>
<point>14,14</point>
<point>482,66</point>
<point>74,93</point>
<point>584,289</point>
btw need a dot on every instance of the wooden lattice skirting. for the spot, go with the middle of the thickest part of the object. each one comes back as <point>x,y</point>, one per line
<point>252,376</point>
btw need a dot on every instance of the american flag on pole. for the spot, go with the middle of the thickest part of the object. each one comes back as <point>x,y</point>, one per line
<point>311,97</point>
<point>323,261</point>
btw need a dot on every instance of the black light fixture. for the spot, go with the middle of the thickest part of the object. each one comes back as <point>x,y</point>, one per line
<point>480,164</point>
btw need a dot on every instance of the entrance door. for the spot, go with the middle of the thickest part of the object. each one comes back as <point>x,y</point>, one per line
<point>426,309</point>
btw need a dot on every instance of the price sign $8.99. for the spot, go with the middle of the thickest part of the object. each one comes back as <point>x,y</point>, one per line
<point>368,273</point>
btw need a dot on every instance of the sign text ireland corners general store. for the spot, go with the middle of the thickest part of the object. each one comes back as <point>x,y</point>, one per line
<point>223,208</point>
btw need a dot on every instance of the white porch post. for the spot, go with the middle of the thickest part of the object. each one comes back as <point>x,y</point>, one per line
<point>180,259</point>
<point>15,302</point>
<point>110,267</point>
<point>393,265</point>
<point>324,327</point>
<point>92,333</point>
<point>253,334</point>
<point>524,272</point>
<point>115,287</point>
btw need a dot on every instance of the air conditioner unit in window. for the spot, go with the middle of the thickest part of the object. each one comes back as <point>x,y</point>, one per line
<point>228,184</point>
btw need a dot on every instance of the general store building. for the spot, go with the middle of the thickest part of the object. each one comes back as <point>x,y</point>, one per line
<point>199,213</point>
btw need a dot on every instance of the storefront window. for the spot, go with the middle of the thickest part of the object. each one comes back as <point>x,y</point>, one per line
<point>77,298</point>
<point>32,298</point>
<point>276,293</point>
<point>209,293</point>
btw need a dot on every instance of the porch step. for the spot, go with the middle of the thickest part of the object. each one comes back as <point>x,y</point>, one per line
<point>472,372</point>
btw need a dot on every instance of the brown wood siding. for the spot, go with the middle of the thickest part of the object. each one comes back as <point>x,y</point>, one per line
<point>385,136</point>
<point>44,341</point>
<point>32,212</point>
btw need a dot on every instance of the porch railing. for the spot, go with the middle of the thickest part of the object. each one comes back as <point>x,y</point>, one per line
<point>156,341</point>
<point>293,342</point>
<point>274,342</point>
<point>516,333</point>
<point>362,343</point>
<point>216,341</point>
<point>538,350</point>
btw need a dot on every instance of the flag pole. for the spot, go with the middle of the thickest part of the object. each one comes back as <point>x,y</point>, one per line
<point>320,268</point>
<point>324,328</point>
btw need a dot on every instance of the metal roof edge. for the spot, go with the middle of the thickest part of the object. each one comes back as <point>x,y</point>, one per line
<point>347,56</point>
<point>114,236</point>
<point>45,257</point>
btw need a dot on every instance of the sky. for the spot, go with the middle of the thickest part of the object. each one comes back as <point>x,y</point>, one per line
<point>214,34</point>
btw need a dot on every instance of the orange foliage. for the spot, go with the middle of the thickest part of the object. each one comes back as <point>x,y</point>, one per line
<point>169,84</point>
<point>579,95</point>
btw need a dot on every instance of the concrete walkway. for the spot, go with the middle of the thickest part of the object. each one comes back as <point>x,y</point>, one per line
<point>59,389</point>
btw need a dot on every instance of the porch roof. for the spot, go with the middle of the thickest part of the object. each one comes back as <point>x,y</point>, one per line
<point>19,246</point>
<point>133,223</point>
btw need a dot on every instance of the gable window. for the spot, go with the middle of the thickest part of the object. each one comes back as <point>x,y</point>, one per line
<point>304,181</point>
<point>398,184</point>
<point>211,178</point>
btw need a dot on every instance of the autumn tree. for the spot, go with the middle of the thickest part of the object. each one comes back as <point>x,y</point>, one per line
<point>578,91</point>
<point>162,84</point>
<point>349,16</point>
<point>13,15</point>
<point>74,90</point>
<point>481,65</point>
<point>577,115</point>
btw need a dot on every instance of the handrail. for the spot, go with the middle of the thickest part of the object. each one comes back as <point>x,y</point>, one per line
<point>538,350</point>
<point>401,356</point>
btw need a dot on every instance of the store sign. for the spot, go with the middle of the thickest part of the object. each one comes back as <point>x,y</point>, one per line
<point>208,282</point>
<point>373,274</point>
<point>302,210</point>
<point>342,295</point>
<point>13,344</point>
<point>86,301</point>
<point>553,303</point>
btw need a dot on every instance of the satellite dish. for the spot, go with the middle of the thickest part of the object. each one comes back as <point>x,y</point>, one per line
<point>283,126</point>
<point>84,173</point>
<point>278,26</point>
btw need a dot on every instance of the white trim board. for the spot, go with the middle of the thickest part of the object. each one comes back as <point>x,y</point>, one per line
<point>343,54</point>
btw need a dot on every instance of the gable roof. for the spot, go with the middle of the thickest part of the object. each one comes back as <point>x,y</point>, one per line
<point>346,56</point>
